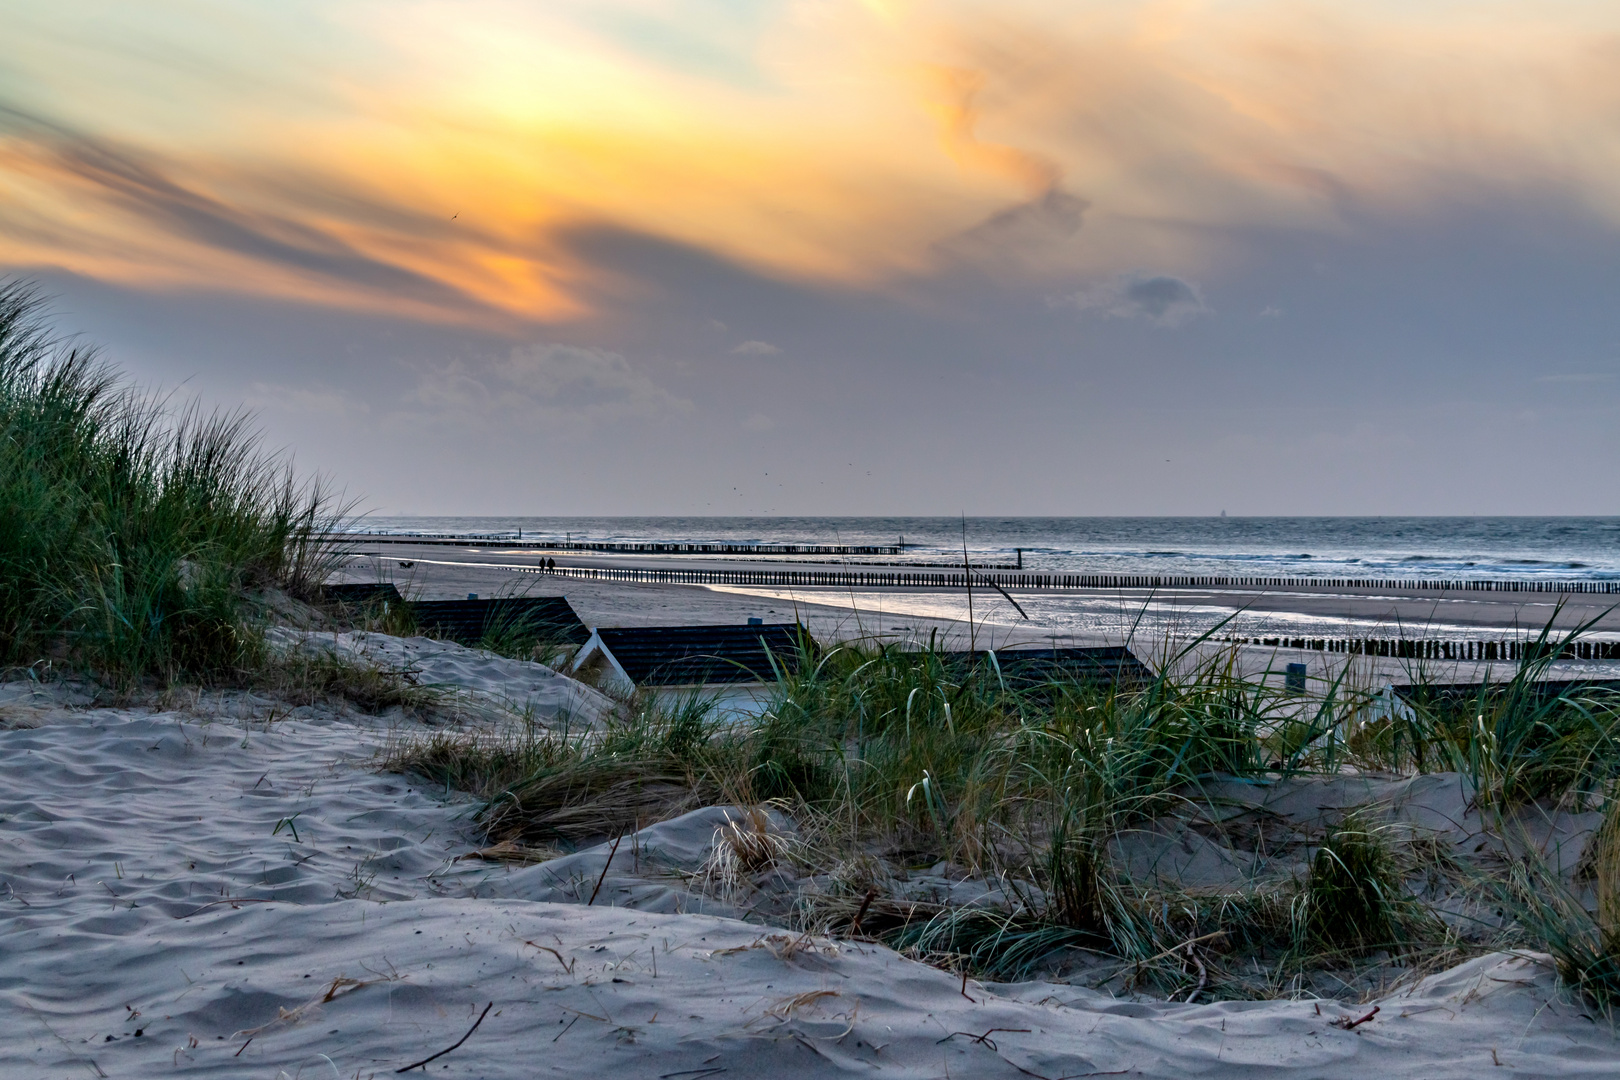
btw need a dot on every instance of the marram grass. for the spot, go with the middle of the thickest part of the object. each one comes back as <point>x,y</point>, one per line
<point>896,758</point>
<point>132,535</point>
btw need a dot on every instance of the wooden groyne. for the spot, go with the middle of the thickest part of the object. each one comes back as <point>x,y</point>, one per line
<point>619,547</point>
<point>1440,648</point>
<point>1052,582</point>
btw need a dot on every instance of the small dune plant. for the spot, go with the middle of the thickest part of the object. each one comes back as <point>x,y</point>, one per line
<point>1351,892</point>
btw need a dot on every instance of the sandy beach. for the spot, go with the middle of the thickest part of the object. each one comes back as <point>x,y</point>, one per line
<point>1156,623</point>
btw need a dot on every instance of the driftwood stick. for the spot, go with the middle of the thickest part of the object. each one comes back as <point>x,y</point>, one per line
<point>423,1063</point>
<point>871,894</point>
<point>603,877</point>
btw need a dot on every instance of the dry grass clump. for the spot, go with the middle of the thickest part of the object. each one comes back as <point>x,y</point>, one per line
<point>1584,942</point>
<point>654,761</point>
<point>743,847</point>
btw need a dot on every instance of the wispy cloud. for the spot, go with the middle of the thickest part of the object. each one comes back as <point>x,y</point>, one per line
<point>756,348</point>
<point>433,157</point>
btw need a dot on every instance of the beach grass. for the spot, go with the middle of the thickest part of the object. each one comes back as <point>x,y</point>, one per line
<point>896,756</point>
<point>136,533</point>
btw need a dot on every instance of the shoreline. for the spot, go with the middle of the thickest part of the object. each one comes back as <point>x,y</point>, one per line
<point>1153,620</point>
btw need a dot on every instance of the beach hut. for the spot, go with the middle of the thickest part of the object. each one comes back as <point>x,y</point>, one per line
<point>1091,665</point>
<point>469,622</point>
<point>1464,696</point>
<point>626,658</point>
<point>362,593</point>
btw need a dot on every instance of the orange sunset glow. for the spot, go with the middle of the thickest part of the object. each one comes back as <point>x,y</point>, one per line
<point>441,151</point>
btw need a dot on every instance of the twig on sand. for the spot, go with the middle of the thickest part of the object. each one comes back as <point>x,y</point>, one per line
<point>66,1045</point>
<point>964,984</point>
<point>1351,1025</point>
<point>231,900</point>
<point>567,966</point>
<point>984,1039</point>
<point>603,877</point>
<point>423,1063</point>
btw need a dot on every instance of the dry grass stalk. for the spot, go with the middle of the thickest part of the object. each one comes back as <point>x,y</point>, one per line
<point>742,847</point>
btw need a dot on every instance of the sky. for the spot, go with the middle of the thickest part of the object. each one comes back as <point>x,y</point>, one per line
<point>1061,257</point>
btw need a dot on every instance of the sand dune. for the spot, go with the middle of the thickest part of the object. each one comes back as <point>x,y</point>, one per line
<point>234,890</point>
<point>473,681</point>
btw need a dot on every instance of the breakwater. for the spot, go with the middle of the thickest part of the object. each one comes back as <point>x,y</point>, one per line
<point>617,547</point>
<point>1442,648</point>
<point>936,580</point>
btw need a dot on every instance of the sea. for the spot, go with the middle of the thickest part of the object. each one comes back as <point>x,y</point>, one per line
<point>1549,548</point>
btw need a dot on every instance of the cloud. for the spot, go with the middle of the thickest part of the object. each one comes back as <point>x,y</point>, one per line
<point>218,240</point>
<point>559,383</point>
<point>957,107</point>
<point>758,422</point>
<point>1027,234</point>
<point>1159,299</point>
<point>756,348</point>
<point>434,162</point>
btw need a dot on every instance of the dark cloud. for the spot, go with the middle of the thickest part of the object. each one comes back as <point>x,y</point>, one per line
<point>1160,296</point>
<point>1055,213</point>
<point>138,184</point>
<point>1157,298</point>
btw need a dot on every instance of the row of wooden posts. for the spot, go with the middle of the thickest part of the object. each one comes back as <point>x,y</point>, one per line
<point>623,547</point>
<point>1436,649</point>
<point>937,580</point>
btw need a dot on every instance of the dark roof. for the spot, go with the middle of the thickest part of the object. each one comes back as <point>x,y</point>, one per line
<point>1456,695</point>
<point>1092,665</point>
<point>471,621</point>
<point>363,592</point>
<point>687,655</point>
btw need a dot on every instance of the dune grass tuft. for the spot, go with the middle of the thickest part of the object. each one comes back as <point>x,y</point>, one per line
<point>1350,896</point>
<point>133,534</point>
